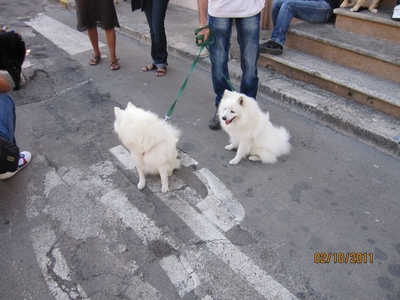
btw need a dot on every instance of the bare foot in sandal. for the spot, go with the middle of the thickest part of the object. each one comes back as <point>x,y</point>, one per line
<point>94,60</point>
<point>148,68</point>
<point>114,65</point>
<point>161,72</point>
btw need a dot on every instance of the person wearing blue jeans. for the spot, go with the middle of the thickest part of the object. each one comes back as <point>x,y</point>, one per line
<point>155,11</point>
<point>219,15</point>
<point>7,130</point>
<point>313,11</point>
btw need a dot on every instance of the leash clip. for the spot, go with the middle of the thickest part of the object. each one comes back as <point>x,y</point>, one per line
<point>167,118</point>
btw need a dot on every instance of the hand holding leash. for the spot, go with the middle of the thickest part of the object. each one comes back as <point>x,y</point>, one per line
<point>204,36</point>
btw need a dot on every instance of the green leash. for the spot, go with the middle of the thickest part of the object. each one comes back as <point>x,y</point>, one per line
<point>203,44</point>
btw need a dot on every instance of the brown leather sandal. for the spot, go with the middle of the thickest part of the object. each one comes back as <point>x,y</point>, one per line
<point>161,72</point>
<point>94,60</point>
<point>114,65</point>
<point>148,68</point>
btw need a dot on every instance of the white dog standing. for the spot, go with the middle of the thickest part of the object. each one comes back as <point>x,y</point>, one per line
<point>250,130</point>
<point>151,142</point>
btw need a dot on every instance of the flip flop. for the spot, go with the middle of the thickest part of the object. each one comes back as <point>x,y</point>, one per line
<point>148,68</point>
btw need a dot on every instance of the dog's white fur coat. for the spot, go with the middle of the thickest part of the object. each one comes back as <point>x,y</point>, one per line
<point>151,142</point>
<point>250,130</point>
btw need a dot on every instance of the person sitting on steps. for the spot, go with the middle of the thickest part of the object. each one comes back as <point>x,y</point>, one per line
<point>283,11</point>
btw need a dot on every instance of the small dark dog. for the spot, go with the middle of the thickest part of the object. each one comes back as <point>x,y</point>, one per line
<point>12,55</point>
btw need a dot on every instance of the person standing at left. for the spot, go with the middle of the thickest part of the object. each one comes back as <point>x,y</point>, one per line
<point>99,13</point>
<point>155,11</point>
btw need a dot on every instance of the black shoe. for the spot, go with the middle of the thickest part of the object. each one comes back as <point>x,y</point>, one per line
<point>214,122</point>
<point>271,47</point>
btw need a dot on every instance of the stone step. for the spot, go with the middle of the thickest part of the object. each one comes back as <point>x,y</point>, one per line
<point>365,54</point>
<point>369,90</point>
<point>379,26</point>
<point>359,121</point>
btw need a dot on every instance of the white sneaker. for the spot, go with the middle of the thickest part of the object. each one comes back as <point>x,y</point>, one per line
<point>24,160</point>
<point>396,13</point>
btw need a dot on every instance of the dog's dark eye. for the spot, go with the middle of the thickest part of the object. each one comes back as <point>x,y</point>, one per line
<point>232,111</point>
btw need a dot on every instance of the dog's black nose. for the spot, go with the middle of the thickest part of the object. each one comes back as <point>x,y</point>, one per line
<point>224,118</point>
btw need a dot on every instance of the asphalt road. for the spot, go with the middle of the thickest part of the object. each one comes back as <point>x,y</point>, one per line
<point>322,223</point>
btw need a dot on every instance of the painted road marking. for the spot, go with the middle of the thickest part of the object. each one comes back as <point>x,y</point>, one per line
<point>72,41</point>
<point>120,153</point>
<point>144,227</point>
<point>220,206</point>
<point>53,264</point>
<point>180,273</point>
<point>209,231</point>
<point>177,269</point>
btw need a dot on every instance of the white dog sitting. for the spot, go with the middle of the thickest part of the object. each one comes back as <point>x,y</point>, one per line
<point>250,130</point>
<point>151,142</point>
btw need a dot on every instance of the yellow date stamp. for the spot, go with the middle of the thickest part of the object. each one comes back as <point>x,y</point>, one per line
<point>343,258</point>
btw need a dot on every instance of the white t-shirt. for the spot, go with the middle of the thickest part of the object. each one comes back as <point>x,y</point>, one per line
<point>234,8</point>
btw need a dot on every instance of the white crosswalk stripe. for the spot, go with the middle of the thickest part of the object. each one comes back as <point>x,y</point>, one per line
<point>220,207</point>
<point>72,41</point>
<point>44,240</point>
<point>180,273</point>
<point>177,268</point>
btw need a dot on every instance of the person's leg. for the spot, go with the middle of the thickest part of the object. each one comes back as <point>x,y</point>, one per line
<point>272,46</point>
<point>7,131</point>
<point>248,35</point>
<point>7,118</point>
<point>94,40</point>
<point>111,41</point>
<point>155,14</point>
<point>276,6</point>
<point>315,11</point>
<point>219,53</point>
<point>310,11</point>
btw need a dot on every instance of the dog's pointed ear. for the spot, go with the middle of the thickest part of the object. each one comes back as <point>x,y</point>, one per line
<point>241,100</point>
<point>130,105</point>
<point>117,111</point>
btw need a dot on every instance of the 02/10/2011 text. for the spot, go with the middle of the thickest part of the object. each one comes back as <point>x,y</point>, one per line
<point>343,258</point>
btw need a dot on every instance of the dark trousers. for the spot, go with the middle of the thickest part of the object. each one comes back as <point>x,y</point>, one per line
<point>155,11</point>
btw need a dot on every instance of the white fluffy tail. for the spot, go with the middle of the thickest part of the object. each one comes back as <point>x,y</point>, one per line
<point>285,137</point>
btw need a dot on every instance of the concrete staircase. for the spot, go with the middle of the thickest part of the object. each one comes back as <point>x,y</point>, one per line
<point>356,56</point>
